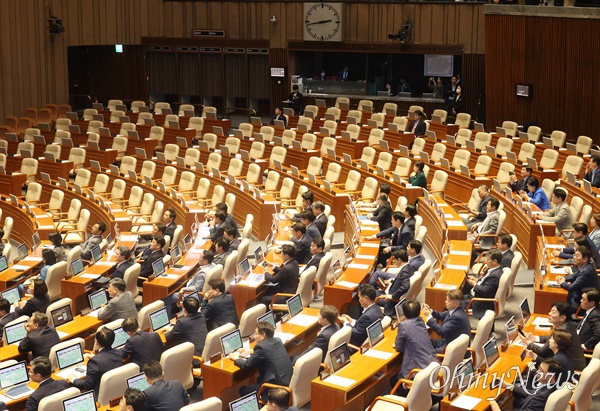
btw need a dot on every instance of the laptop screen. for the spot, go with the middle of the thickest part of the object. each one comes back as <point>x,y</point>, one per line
<point>339,356</point>
<point>77,266</point>
<point>121,338</point>
<point>375,333</point>
<point>258,255</point>
<point>159,319</point>
<point>187,239</point>
<point>158,267</point>
<point>269,317</point>
<point>80,402</point>
<point>399,312</point>
<point>294,305</point>
<point>511,330</point>
<point>244,267</point>
<point>12,295</point>
<point>61,315</point>
<point>69,356</point>
<point>138,382</point>
<point>337,269</point>
<point>490,351</point>
<point>525,311</point>
<point>3,263</point>
<point>96,253</point>
<point>15,332</point>
<point>464,373</point>
<point>175,254</point>
<point>13,375</point>
<point>231,342</point>
<point>246,403</point>
<point>97,299</point>
<point>22,251</point>
<point>36,240</point>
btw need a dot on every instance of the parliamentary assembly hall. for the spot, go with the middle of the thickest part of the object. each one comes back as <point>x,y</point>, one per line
<point>244,205</point>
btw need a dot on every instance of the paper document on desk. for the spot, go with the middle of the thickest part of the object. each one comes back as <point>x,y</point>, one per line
<point>346,284</point>
<point>88,275</point>
<point>105,263</point>
<point>541,321</point>
<point>552,246</point>
<point>128,237</point>
<point>170,276</point>
<point>303,320</point>
<point>459,252</point>
<point>445,286</point>
<point>359,266</point>
<point>558,270</point>
<point>369,245</point>
<point>62,334</point>
<point>4,398</point>
<point>457,267</point>
<point>363,257</point>
<point>19,267</point>
<point>455,223</point>
<point>382,355</point>
<point>34,259</point>
<point>284,337</point>
<point>466,402</point>
<point>94,314</point>
<point>339,381</point>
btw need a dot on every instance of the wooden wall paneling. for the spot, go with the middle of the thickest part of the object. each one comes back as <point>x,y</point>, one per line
<point>437,24</point>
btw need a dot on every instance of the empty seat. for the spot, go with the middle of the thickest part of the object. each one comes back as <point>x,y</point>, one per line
<point>463,120</point>
<point>558,138</point>
<point>511,128</point>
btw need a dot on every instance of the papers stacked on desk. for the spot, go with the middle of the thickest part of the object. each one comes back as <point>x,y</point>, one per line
<point>445,286</point>
<point>457,267</point>
<point>88,275</point>
<point>557,270</point>
<point>359,266</point>
<point>346,284</point>
<point>466,402</point>
<point>303,320</point>
<point>284,337</point>
<point>382,355</point>
<point>340,381</point>
<point>459,252</point>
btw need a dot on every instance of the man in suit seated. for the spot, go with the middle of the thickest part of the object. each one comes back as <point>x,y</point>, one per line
<point>485,286</point>
<point>278,116</point>
<point>279,400</point>
<point>561,214</point>
<point>328,316</point>
<point>592,173</point>
<point>40,336</point>
<point>455,320</point>
<point>221,251</point>
<point>409,217</point>
<point>580,231</point>
<point>92,241</point>
<point>478,215</point>
<point>5,315</point>
<point>399,236</point>
<point>415,258</point>
<point>269,356</point>
<point>388,273</point>
<point>106,359</point>
<point>168,220</point>
<point>141,347</point>
<point>383,212</point>
<point>534,398</point>
<point>143,248</point>
<point>488,226</point>
<point>40,371</point>
<point>219,225</point>
<point>218,306</point>
<point>190,328</point>
<point>132,400</point>
<point>307,204</point>
<point>582,275</point>
<point>121,304</point>
<point>122,256</point>
<point>588,328</point>
<point>371,313</point>
<point>316,249</point>
<point>156,252</point>
<point>228,217</point>
<point>320,217</point>
<point>163,395</point>
<point>397,287</point>
<point>302,242</point>
<point>518,186</point>
<point>286,276</point>
<point>229,234</point>
<point>308,218</point>
<point>503,244</point>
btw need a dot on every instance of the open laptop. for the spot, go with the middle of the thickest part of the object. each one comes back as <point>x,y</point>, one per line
<point>121,338</point>
<point>61,315</point>
<point>525,311</point>
<point>259,256</point>
<point>398,308</point>
<point>70,360</point>
<point>159,319</point>
<point>138,382</point>
<point>246,403</point>
<point>15,332</point>
<point>3,263</point>
<point>11,294</point>
<point>36,240</point>
<point>490,352</point>
<point>268,317</point>
<point>231,342</point>
<point>375,333</point>
<point>158,267</point>
<point>176,256</point>
<point>16,377</point>
<point>77,266</point>
<point>294,305</point>
<point>96,253</point>
<point>511,330</point>
<point>339,357</point>
<point>80,402</point>
<point>97,299</point>
<point>464,374</point>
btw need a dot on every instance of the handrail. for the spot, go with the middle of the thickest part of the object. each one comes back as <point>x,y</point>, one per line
<point>229,110</point>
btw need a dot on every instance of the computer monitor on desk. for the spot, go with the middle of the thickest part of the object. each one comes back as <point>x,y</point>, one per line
<point>268,317</point>
<point>490,352</point>
<point>525,311</point>
<point>77,266</point>
<point>15,376</point>
<point>15,332</point>
<point>138,382</point>
<point>339,357</point>
<point>61,315</point>
<point>243,268</point>
<point>294,305</point>
<point>83,401</point>
<point>375,333</point>
<point>231,342</point>
<point>11,294</point>
<point>159,319</point>
<point>246,403</point>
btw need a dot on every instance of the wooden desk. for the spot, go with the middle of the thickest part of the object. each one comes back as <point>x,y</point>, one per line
<point>223,378</point>
<point>11,184</point>
<point>54,169</point>
<point>370,375</point>
<point>545,296</point>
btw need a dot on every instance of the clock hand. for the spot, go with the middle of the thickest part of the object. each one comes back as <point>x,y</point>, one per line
<point>318,22</point>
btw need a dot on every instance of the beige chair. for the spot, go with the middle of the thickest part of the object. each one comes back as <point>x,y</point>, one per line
<point>334,170</point>
<point>331,126</point>
<point>354,131</point>
<point>136,104</point>
<point>463,120</point>
<point>142,118</point>
<point>120,144</point>
<point>55,274</point>
<point>131,277</point>
<point>26,145</point>
<point>114,382</point>
<point>77,234</point>
<point>208,109</point>
<point>368,155</point>
<point>112,104</point>
<point>558,138</point>
<point>559,399</point>
<point>310,108</point>
<point>391,106</point>
<point>365,103</point>
<point>88,114</point>
<point>77,156</point>
<point>185,107</point>
<point>212,344</point>
<point>379,118</point>
<point>196,123</point>
<point>158,107</point>
<point>369,190</point>
<point>403,167</point>
<point>288,136</point>
<point>236,167</point>
<point>461,157</point>
<point>65,344</point>
<point>29,167</point>
<point>268,132</point>
<point>34,193</point>
<point>309,141</point>
<point>438,183</point>
<point>128,163</point>
<point>576,206</point>
<point>233,144</point>
<point>481,336</point>
<point>352,182</point>
<point>549,159</point>
<point>402,123</point>
<point>215,272</point>
<point>442,113</point>
<point>339,337</point>
<point>548,187</point>
<point>249,319</point>
<point>171,152</point>
<point>229,269</point>
<point>156,133</point>
<point>55,401</point>
<point>339,100</point>
<point>335,111</point>
<point>328,143</point>
<point>62,124</point>
<point>307,278</point>
<point>169,176</point>
<point>504,171</point>
<point>482,167</point>
<point>534,133</point>
<point>278,153</point>
<point>115,116</point>
<point>144,314</point>
<point>321,276</point>
<point>148,169</point>
<point>586,214</point>
<point>418,146</point>
<point>117,192</point>
<point>254,175</point>
<point>583,145</point>
<point>257,150</point>
<point>511,128</point>
<point>30,132</point>
<point>515,266</point>
<point>315,164</point>
<point>211,140</point>
<point>307,121</point>
<point>356,114</point>
<point>94,126</point>
<point>247,129</point>
<point>574,164</point>
<point>385,160</point>
<point>439,151</point>
<point>527,150</point>
<point>453,355</point>
<point>503,145</point>
<point>375,136</point>
<point>482,140</point>
<point>463,135</point>
<point>192,155</point>
<point>588,382</point>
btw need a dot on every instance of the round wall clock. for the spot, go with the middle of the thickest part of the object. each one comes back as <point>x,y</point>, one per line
<point>323,21</point>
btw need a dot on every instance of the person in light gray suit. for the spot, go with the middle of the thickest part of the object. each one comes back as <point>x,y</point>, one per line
<point>94,240</point>
<point>488,226</point>
<point>561,213</point>
<point>121,304</point>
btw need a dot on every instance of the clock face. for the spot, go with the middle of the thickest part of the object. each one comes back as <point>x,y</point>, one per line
<point>323,21</point>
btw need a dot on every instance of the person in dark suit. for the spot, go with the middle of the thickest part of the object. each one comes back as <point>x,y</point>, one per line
<point>455,320</point>
<point>503,245</point>
<point>559,344</point>
<point>396,287</point>
<point>122,256</point>
<point>588,328</point>
<point>459,103</point>
<point>106,359</point>
<point>218,229</point>
<point>163,395</point>
<point>345,74</point>
<point>559,317</point>
<point>583,276</point>
<point>301,242</point>
<point>592,172</point>
<point>229,234</point>
<point>484,287</point>
<point>5,315</point>
<point>279,400</point>
<point>143,248</point>
<point>121,304</point>
<point>40,336</point>
<point>132,400</point>
<point>286,276</point>
<point>478,215</point>
<point>217,306</point>
<point>409,217</point>
<point>278,116</point>
<point>580,231</point>
<point>320,217</point>
<point>141,347</point>
<point>417,126</point>
<point>316,249</point>
<point>156,252</point>
<point>449,94</point>
<point>93,240</point>
<point>328,316</point>
<point>399,235</point>
<point>534,398</point>
<point>307,203</point>
<point>228,217</point>
<point>168,220</point>
<point>371,313</point>
<point>221,251</point>
<point>269,356</point>
<point>308,219</point>
<point>518,186</point>
<point>389,273</point>
<point>383,212</point>
<point>295,100</point>
<point>190,328</point>
<point>40,371</point>
<point>39,302</point>
<point>415,258</point>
